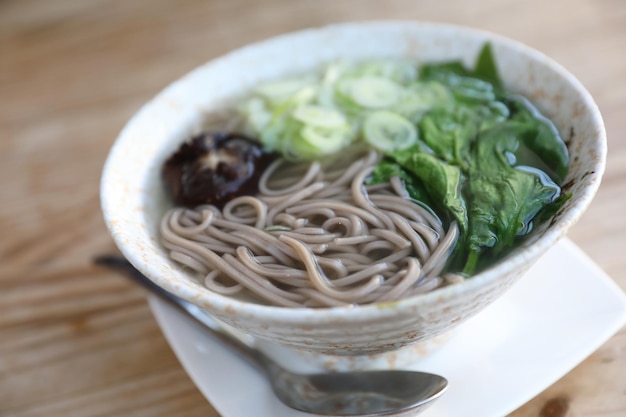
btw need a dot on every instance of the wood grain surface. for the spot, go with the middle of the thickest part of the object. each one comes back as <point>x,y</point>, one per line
<point>76,340</point>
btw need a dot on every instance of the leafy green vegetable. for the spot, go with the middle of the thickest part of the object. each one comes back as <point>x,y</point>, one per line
<point>490,161</point>
<point>441,70</point>
<point>502,199</point>
<point>387,169</point>
<point>551,210</point>
<point>441,181</point>
<point>449,133</point>
<point>481,84</point>
<point>464,87</point>
<point>490,114</point>
<point>542,138</point>
<point>459,142</point>
<point>486,68</point>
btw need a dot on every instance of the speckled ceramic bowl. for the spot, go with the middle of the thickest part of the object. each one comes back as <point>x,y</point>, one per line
<point>133,199</point>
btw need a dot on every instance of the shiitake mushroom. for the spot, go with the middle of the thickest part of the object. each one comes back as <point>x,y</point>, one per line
<point>215,167</point>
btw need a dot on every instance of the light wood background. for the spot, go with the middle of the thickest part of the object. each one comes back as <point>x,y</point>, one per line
<point>76,340</point>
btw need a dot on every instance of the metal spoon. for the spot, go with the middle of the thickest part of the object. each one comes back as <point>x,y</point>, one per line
<point>368,393</point>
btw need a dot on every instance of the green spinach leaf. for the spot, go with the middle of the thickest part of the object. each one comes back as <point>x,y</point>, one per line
<point>486,67</point>
<point>388,168</point>
<point>449,133</point>
<point>502,198</point>
<point>541,137</point>
<point>441,180</point>
<point>465,88</point>
<point>482,84</point>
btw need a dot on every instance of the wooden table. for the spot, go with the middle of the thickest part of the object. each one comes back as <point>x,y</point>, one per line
<point>76,340</point>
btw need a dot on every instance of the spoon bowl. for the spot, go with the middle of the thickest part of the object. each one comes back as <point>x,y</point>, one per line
<point>369,393</point>
<point>362,393</point>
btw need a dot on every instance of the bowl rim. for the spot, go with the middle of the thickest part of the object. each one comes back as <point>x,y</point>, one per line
<point>517,261</point>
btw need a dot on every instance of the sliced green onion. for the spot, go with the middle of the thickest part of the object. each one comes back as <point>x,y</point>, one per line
<point>401,71</point>
<point>388,131</point>
<point>320,116</point>
<point>370,92</point>
<point>307,117</point>
<point>324,140</point>
<point>421,97</point>
<point>279,91</point>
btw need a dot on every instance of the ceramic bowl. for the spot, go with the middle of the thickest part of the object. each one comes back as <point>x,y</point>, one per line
<point>133,198</point>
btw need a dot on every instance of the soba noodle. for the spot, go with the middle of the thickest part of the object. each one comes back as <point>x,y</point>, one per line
<point>325,239</point>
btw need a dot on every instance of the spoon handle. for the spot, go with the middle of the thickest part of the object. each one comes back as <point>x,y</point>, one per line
<point>207,323</point>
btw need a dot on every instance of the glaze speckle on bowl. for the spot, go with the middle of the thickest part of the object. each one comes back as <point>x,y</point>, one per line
<point>133,199</point>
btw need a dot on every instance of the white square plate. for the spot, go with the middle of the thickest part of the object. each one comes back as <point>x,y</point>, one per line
<point>552,319</point>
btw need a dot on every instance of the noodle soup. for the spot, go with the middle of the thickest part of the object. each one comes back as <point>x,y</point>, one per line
<point>363,182</point>
<point>135,203</point>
